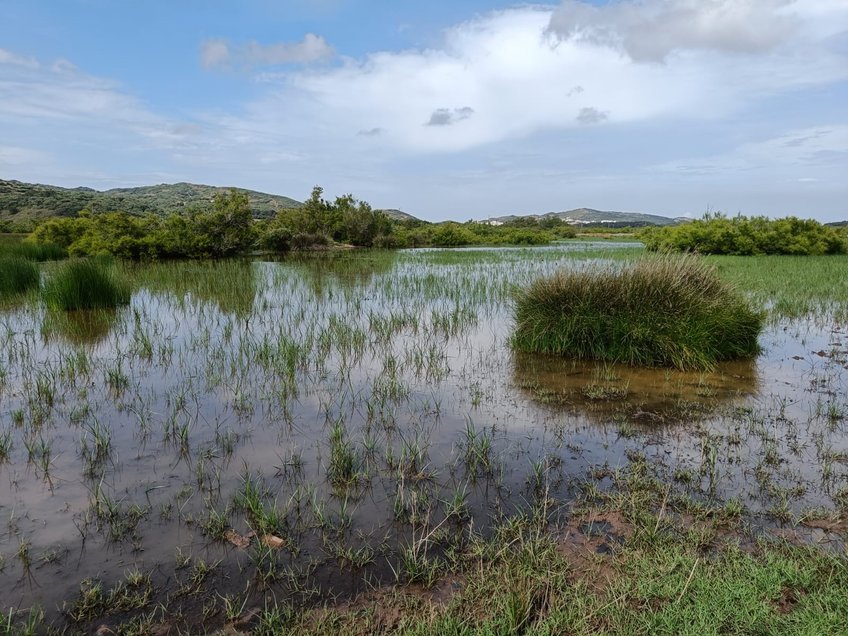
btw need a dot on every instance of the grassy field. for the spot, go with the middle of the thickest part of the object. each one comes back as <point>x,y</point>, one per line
<point>347,443</point>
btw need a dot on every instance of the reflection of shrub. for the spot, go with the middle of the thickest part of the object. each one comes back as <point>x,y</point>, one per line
<point>660,312</point>
<point>17,275</point>
<point>85,284</point>
<point>717,234</point>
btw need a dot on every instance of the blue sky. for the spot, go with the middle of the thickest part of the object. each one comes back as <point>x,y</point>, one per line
<point>443,109</point>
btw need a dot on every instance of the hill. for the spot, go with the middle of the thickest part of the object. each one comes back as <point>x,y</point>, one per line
<point>23,201</point>
<point>588,216</point>
<point>397,215</point>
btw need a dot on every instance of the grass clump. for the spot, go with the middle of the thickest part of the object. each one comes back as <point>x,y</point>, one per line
<point>17,275</point>
<point>85,284</point>
<point>661,311</point>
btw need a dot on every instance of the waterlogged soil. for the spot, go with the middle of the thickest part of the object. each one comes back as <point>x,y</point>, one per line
<point>288,429</point>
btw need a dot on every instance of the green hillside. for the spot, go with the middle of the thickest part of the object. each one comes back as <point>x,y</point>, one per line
<point>23,201</point>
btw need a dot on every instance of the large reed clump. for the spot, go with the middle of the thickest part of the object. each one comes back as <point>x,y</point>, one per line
<point>85,284</point>
<point>17,275</point>
<point>34,251</point>
<point>662,311</point>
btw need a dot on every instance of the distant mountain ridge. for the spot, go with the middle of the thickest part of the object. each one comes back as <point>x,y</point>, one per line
<point>21,201</point>
<point>589,216</point>
<point>397,215</point>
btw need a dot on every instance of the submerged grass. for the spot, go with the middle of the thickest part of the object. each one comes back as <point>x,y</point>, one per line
<point>85,284</point>
<point>663,311</point>
<point>17,275</point>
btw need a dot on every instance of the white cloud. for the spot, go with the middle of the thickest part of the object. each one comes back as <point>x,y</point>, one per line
<point>651,30</point>
<point>8,58</point>
<point>521,73</point>
<point>218,54</point>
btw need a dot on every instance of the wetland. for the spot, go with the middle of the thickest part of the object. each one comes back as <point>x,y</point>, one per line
<point>344,442</point>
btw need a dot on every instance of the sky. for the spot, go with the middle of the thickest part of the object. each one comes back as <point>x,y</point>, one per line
<point>445,109</point>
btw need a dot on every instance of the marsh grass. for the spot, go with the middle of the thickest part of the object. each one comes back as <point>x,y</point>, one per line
<point>17,275</point>
<point>662,311</point>
<point>85,284</point>
<point>14,245</point>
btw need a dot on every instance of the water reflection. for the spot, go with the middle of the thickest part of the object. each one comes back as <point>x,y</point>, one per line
<point>354,269</point>
<point>83,327</point>
<point>604,391</point>
<point>230,285</point>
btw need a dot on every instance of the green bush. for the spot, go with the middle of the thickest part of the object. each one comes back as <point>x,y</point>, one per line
<point>744,236</point>
<point>276,238</point>
<point>17,275</point>
<point>661,311</point>
<point>85,284</point>
<point>307,241</point>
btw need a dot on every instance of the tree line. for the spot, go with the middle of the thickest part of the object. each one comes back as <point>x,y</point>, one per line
<point>228,228</point>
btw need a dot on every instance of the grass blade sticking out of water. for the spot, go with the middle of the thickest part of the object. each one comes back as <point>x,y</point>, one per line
<point>662,311</point>
<point>85,284</point>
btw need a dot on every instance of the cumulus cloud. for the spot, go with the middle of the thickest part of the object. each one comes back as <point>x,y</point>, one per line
<point>651,30</point>
<point>218,54</point>
<point>530,69</point>
<point>371,132</point>
<point>448,117</point>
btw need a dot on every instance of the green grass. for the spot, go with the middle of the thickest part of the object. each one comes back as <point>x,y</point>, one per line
<point>521,582</point>
<point>17,275</point>
<point>85,284</point>
<point>14,245</point>
<point>790,286</point>
<point>662,311</point>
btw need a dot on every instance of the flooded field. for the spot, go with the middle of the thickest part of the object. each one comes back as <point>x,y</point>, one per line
<point>310,428</point>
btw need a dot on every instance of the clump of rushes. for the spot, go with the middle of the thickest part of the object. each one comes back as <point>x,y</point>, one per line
<point>34,251</point>
<point>17,275</point>
<point>661,311</point>
<point>85,284</point>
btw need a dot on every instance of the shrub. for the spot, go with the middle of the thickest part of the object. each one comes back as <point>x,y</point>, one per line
<point>662,311</point>
<point>744,236</point>
<point>277,238</point>
<point>452,235</point>
<point>307,241</point>
<point>17,275</point>
<point>85,284</point>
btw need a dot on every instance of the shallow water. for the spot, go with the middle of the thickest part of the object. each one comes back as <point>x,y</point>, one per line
<point>127,430</point>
